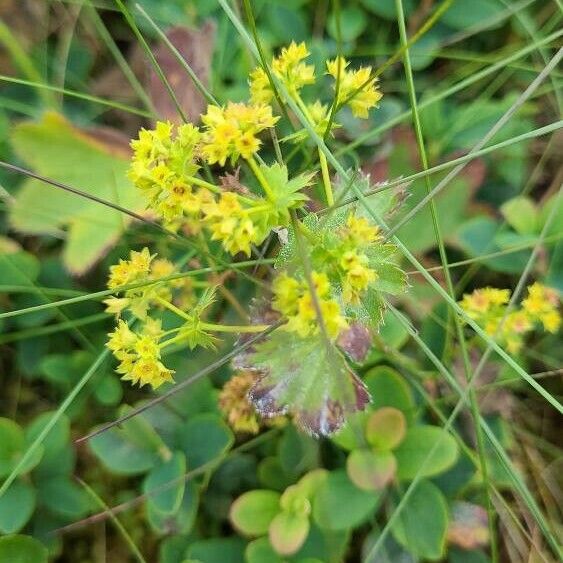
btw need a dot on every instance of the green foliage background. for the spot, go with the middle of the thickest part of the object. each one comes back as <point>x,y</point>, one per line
<point>403,481</point>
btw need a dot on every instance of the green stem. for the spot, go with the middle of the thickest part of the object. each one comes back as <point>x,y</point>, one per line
<point>326,179</point>
<point>474,406</point>
<point>247,329</point>
<point>174,309</point>
<point>203,184</point>
<point>261,178</point>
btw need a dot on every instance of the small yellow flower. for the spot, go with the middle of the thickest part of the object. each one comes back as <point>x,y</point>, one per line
<point>230,131</point>
<point>122,338</point>
<point>288,67</point>
<point>286,293</point>
<point>132,270</point>
<point>350,82</point>
<point>357,275</point>
<point>361,231</point>
<point>551,320</point>
<point>163,158</point>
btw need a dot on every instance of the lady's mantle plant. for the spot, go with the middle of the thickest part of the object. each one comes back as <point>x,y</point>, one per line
<point>332,271</point>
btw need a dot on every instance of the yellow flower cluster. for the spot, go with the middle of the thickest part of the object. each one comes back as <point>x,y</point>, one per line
<point>163,167</point>
<point>293,299</point>
<point>350,81</point>
<point>139,354</point>
<point>231,223</point>
<point>541,304</point>
<point>231,131</point>
<point>142,267</point>
<point>289,68</point>
<point>356,274</point>
<point>487,306</point>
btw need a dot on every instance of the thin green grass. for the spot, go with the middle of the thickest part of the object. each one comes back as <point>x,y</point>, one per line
<point>449,285</point>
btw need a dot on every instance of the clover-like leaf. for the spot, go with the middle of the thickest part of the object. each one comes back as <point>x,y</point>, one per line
<point>307,377</point>
<point>370,470</point>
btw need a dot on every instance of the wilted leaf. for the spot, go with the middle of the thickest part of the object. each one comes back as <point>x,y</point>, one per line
<point>468,528</point>
<point>56,149</point>
<point>386,428</point>
<point>308,378</point>
<point>196,46</point>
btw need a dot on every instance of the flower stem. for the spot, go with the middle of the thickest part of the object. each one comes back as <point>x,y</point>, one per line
<point>322,158</point>
<point>234,328</point>
<point>261,178</point>
<point>174,309</point>
<point>204,184</point>
<point>326,179</point>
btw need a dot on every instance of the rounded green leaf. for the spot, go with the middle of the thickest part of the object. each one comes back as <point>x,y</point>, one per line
<point>120,455</point>
<point>261,551</point>
<point>63,497</point>
<point>11,445</point>
<point>16,507</point>
<point>171,473</point>
<point>205,438</point>
<point>352,23</point>
<point>12,448</point>
<point>426,451</point>
<point>217,550</point>
<point>369,470</point>
<point>288,532</point>
<point>388,388</point>
<point>423,522</point>
<point>386,428</point>
<point>183,520</point>
<point>22,549</point>
<point>339,505</point>
<point>521,214</point>
<point>252,512</point>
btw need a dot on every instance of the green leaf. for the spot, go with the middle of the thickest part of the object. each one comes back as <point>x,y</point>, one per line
<point>182,522</point>
<point>261,551</point>
<point>217,550</point>
<point>423,536</point>
<point>339,505</point>
<point>168,501</point>
<point>413,453</point>
<point>115,450</point>
<point>287,193</point>
<point>288,532</point>
<point>386,428</point>
<point>252,512</point>
<point>56,149</point>
<point>205,438</point>
<point>22,549</point>
<point>389,389</point>
<point>307,377</point>
<point>386,8</point>
<point>521,214</point>
<point>370,470</point>
<point>12,446</point>
<point>352,24</point>
<point>18,268</point>
<point>63,497</point>
<point>16,507</point>
<point>461,15</point>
